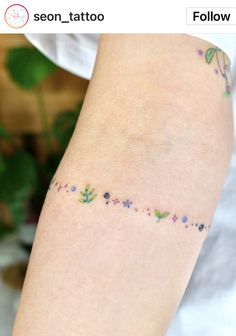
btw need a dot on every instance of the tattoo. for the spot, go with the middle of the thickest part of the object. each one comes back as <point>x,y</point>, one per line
<point>107,197</point>
<point>160,215</point>
<point>184,219</point>
<point>127,203</point>
<point>115,201</point>
<point>174,218</point>
<point>222,65</point>
<point>88,195</point>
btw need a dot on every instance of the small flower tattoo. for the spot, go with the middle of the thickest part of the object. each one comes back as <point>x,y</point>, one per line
<point>174,218</point>
<point>115,201</point>
<point>127,203</point>
<point>200,52</point>
<point>201,227</point>
<point>59,187</point>
<point>107,197</point>
<point>184,219</point>
<point>73,188</point>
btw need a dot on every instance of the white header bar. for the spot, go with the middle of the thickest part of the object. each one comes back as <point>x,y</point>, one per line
<point>122,16</point>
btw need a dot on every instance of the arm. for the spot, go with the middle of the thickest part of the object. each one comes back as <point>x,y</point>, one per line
<point>154,142</point>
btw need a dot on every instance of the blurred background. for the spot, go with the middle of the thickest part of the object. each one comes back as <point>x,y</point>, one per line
<point>39,107</point>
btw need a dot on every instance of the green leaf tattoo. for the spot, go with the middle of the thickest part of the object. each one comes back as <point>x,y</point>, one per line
<point>160,215</point>
<point>223,65</point>
<point>88,195</point>
<point>210,55</point>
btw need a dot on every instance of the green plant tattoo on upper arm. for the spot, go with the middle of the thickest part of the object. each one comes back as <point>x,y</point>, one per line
<point>222,65</point>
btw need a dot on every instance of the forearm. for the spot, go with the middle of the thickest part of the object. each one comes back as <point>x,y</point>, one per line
<point>112,267</point>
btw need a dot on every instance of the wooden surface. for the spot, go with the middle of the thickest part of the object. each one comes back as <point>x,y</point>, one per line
<point>18,109</point>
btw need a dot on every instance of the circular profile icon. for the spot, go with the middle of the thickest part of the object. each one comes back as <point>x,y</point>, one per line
<point>16,16</point>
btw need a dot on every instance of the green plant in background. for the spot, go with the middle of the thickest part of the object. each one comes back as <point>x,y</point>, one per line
<point>17,181</point>
<point>24,178</point>
<point>64,125</point>
<point>28,68</point>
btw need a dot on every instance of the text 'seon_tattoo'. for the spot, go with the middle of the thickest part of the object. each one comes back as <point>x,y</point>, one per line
<point>87,194</point>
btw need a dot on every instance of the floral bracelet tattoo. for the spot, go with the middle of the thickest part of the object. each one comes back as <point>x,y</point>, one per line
<point>88,195</point>
<point>222,65</point>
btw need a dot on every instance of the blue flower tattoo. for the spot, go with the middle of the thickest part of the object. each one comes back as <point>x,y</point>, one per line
<point>127,203</point>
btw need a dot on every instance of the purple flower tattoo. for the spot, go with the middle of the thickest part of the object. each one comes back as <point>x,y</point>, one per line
<point>127,203</point>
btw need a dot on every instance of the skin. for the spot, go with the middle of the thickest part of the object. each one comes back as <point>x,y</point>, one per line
<point>156,128</point>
